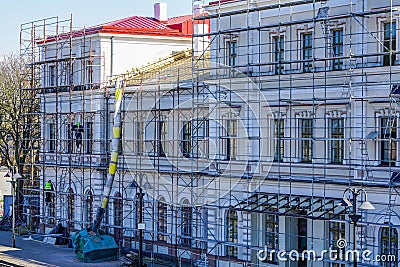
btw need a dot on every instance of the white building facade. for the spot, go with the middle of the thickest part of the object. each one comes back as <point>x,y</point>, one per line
<point>250,146</point>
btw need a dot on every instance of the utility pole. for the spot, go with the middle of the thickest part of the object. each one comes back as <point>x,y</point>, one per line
<point>141,226</point>
<point>14,178</point>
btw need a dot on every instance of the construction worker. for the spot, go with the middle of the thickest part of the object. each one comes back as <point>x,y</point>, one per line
<point>48,187</point>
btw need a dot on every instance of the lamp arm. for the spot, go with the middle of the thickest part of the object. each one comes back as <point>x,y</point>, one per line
<point>349,189</point>
<point>359,191</point>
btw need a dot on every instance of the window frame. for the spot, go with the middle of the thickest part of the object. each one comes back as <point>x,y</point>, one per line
<point>161,142</point>
<point>52,137</point>
<point>232,233</point>
<point>89,137</point>
<point>52,75</point>
<point>337,43</point>
<point>306,140</point>
<point>337,138</point>
<point>231,145</point>
<point>71,201</point>
<point>337,231</point>
<point>186,230</point>
<point>307,51</point>
<point>162,224</point>
<point>387,141</point>
<point>231,56</point>
<point>393,250</point>
<point>187,138</point>
<point>278,45</point>
<point>279,133</point>
<point>390,43</point>
<point>139,134</point>
<point>271,232</point>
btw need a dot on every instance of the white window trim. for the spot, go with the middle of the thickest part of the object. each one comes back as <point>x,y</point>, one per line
<point>274,34</point>
<point>382,113</point>
<point>276,115</point>
<point>49,80</point>
<point>340,25</point>
<point>336,114</point>
<point>226,40</point>
<point>381,34</point>
<point>300,51</point>
<point>299,115</point>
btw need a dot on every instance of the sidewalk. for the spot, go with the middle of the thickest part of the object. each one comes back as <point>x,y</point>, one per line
<point>34,253</point>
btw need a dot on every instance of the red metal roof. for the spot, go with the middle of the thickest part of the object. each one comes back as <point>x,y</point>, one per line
<point>178,20</point>
<point>138,23</point>
<point>141,26</point>
<point>175,27</point>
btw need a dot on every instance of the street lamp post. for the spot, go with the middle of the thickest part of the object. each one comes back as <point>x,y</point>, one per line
<point>141,224</point>
<point>354,217</point>
<point>14,179</point>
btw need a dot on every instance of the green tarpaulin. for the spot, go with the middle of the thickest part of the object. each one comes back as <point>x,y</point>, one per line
<point>94,248</point>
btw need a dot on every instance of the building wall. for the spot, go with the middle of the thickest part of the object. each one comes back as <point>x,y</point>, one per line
<point>291,96</point>
<point>5,190</point>
<point>135,51</point>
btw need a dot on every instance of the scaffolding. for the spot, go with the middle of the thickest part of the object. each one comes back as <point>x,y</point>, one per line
<point>249,144</point>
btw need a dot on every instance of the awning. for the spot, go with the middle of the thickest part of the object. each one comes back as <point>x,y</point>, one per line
<point>312,207</point>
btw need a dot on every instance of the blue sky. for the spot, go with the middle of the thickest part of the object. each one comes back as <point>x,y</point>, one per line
<point>84,12</point>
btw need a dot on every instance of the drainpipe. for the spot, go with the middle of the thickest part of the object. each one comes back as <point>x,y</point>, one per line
<point>112,56</point>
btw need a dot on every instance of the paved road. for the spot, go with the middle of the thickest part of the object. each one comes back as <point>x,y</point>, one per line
<point>33,254</point>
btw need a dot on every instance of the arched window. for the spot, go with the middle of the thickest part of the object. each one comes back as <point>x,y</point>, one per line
<point>71,206</point>
<point>186,219</point>
<point>118,216</point>
<point>231,233</point>
<point>389,244</point>
<point>162,220</point>
<point>89,207</point>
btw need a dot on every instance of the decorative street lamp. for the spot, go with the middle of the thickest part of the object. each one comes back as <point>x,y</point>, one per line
<point>354,217</point>
<point>14,178</point>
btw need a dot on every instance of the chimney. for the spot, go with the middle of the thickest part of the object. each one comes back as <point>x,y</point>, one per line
<point>198,10</point>
<point>160,11</point>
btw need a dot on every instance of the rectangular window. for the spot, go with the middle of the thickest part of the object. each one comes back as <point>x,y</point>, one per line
<point>272,234</point>
<point>200,138</point>
<point>231,141</point>
<point>337,140</point>
<point>279,140</point>
<point>186,226</point>
<point>52,137</point>
<point>187,139</point>
<point>337,47</point>
<point>306,139</point>
<point>307,52</point>
<point>65,74</point>
<point>389,42</point>
<point>232,233</point>
<point>388,145</point>
<point>279,53</point>
<point>231,53</point>
<point>52,75</point>
<point>162,221</point>
<point>89,137</point>
<point>89,72</point>
<point>139,137</point>
<point>161,139</point>
<point>337,232</point>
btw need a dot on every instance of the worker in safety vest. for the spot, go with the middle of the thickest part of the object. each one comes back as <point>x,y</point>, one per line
<point>48,187</point>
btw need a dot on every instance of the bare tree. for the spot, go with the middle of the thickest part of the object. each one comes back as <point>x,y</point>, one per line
<point>19,122</point>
